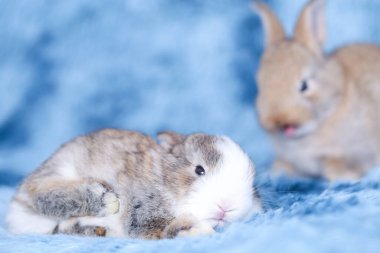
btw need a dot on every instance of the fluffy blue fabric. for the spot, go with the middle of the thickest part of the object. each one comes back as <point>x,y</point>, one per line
<point>71,67</point>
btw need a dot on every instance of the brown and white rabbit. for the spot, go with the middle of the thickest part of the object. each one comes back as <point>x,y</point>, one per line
<point>122,183</point>
<point>322,111</point>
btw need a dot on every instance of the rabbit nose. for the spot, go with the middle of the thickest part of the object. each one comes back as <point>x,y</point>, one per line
<point>286,127</point>
<point>220,215</point>
<point>284,121</point>
<point>222,212</point>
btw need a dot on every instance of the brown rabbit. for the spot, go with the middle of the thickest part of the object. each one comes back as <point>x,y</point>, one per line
<point>322,111</point>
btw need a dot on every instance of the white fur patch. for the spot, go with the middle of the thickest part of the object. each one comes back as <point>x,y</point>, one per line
<point>66,160</point>
<point>67,171</point>
<point>21,220</point>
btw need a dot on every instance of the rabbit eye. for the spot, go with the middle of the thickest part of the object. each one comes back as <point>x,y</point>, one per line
<point>200,170</point>
<point>304,86</point>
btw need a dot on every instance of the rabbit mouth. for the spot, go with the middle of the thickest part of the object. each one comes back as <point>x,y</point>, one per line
<point>294,131</point>
<point>217,223</point>
<point>289,130</point>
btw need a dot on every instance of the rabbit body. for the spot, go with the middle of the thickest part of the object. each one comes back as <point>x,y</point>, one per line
<point>122,183</point>
<point>321,110</point>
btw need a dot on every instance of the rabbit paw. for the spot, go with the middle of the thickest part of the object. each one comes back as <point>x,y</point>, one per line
<point>202,229</point>
<point>73,226</point>
<point>109,202</point>
<point>186,227</point>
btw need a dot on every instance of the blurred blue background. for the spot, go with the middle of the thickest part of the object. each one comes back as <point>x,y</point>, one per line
<point>70,67</point>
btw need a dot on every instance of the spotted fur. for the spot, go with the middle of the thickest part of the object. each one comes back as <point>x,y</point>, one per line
<point>126,184</point>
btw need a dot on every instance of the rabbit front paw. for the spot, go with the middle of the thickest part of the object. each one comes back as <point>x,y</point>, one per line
<point>111,203</point>
<point>183,227</point>
<point>199,230</point>
<point>108,200</point>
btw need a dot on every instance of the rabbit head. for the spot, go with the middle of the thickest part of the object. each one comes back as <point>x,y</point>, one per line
<point>298,86</point>
<point>220,189</point>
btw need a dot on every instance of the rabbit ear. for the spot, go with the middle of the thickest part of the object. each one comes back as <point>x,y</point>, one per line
<point>310,29</point>
<point>273,29</point>
<point>168,140</point>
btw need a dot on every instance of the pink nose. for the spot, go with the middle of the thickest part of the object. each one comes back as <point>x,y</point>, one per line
<point>221,214</point>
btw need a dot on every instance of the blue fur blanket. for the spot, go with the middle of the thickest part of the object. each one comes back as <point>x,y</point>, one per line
<point>70,67</point>
<point>301,216</point>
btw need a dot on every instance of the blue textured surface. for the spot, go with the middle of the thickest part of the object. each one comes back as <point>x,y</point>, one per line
<point>70,67</point>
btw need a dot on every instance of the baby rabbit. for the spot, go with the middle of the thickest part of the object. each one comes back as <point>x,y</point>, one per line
<point>322,111</point>
<point>122,183</point>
